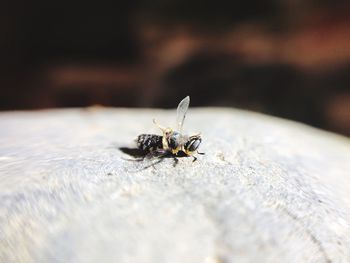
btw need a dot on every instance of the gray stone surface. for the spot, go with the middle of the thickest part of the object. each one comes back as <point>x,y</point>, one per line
<point>267,190</point>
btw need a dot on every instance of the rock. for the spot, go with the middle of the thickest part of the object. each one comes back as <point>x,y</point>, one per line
<point>267,190</point>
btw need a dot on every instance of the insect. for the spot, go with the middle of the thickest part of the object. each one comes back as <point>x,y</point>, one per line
<point>172,143</point>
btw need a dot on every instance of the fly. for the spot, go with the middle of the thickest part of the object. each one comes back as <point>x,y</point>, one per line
<point>172,143</point>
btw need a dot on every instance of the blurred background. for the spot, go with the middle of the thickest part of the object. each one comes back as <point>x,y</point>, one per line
<point>288,58</point>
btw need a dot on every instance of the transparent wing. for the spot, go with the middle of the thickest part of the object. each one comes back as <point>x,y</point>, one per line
<point>181,112</point>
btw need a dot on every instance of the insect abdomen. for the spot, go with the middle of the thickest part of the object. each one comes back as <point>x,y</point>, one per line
<point>149,142</point>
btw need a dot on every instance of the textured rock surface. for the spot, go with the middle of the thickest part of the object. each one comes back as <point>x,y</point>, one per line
<point>267,190</point>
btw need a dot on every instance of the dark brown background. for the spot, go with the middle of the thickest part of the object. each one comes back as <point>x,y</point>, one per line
<point>289,58</point>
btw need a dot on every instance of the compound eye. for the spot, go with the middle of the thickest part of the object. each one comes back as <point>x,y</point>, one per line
<point>193,144</point>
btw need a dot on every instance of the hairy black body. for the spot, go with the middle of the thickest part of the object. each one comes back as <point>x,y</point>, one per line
<point>149,142</point>
<point>152,146</point>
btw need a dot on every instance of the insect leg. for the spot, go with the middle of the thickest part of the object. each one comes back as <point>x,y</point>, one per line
<point>176,161</point>
<point>140,159</point>
<point>161,159</point>
<point>160,154</point>
<point>200,153</point>
<point>194,158</point>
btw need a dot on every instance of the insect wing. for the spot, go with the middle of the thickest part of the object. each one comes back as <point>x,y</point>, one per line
<point>181,112</point>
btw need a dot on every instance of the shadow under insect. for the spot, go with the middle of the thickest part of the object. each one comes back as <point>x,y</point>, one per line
<point>133,152</point>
